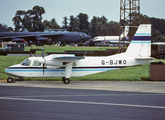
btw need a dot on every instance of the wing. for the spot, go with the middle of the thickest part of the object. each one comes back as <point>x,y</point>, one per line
<point>28,36</point>
<point>67,60</point>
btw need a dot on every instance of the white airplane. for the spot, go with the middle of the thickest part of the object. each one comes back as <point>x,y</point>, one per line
<point>106,40</point>
<point>69,65</point>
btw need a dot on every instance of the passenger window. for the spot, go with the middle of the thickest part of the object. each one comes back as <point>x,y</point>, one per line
<point>36,63</point>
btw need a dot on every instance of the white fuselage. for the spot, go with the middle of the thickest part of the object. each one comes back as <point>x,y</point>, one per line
<point>86,66</point>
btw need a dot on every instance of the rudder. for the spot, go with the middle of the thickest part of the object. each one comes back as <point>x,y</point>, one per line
<point>141,43</point>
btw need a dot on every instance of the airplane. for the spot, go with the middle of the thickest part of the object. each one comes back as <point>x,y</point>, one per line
<point>40,38</point>
<point>69,65</point>
<point>106,40</point>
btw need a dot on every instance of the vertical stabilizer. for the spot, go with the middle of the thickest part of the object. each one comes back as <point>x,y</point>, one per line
<point>125,33</point>
<point>2,29</point>
<point>140,45</point>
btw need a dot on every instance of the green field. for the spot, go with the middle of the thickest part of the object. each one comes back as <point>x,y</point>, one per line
<point>67,48</point>
<point>134,73</point>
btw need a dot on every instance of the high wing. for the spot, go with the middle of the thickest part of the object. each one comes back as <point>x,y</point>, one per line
<point>69,58</point>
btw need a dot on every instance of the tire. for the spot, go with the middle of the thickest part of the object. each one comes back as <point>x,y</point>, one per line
<point>66,81</point>
<point>63,79</point>
<point>9,80</point>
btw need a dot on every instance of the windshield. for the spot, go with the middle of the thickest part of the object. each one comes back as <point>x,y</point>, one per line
<point>26,62</point>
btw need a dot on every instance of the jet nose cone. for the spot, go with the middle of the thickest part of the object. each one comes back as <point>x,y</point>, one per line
<point>88,37</point>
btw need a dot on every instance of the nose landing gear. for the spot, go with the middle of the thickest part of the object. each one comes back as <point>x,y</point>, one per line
<point>12,80</point>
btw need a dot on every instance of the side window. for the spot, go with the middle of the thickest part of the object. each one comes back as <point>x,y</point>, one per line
<point>29,62</point>
<point>26,62</point>
<point>36,63</point>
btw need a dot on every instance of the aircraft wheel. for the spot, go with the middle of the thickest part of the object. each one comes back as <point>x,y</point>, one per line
<point>63,79</point>
<point>66,80</point>
<point>9,80</point>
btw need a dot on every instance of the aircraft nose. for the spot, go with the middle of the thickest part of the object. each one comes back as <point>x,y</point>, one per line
<point>88,37</point>
<point>7,70</point>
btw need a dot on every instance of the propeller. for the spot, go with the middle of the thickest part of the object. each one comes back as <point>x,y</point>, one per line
<point>44,60</point>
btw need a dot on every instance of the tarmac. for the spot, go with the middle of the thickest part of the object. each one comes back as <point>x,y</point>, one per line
<point>132,86</point>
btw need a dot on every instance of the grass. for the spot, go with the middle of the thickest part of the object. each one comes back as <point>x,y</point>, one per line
<point>67,48</point>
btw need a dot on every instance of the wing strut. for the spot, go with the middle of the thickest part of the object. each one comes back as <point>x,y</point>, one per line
<point>68,72</point>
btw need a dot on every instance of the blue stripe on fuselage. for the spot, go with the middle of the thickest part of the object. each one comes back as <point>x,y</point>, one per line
<point>143,34</point>
<point>141,38</point>
<point>62,69</point>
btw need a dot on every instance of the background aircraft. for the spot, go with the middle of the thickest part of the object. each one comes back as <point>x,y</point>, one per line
<point>106,40</point>
<point>43,37</point>
<point>65,65</point>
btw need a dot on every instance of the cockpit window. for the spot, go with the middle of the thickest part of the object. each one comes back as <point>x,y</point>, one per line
<point>26,62</point>
<point>36,63</point>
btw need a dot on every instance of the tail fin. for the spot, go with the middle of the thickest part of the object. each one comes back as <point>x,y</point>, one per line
<point>125,33</point>
<point>140,45</point>
<point>2,29</point>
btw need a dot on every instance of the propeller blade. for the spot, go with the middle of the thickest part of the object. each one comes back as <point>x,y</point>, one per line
<point>44,60</point>
<point>43,68</point>
<point>42,52</point>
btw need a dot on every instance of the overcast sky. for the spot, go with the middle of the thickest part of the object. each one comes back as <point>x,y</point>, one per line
<point>60,8</point>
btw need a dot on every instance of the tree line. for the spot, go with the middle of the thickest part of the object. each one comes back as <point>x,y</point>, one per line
<point>98,26</point>
<point>32,20</point>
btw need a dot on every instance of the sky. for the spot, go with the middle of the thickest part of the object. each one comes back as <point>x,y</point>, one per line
<point>60,8</point>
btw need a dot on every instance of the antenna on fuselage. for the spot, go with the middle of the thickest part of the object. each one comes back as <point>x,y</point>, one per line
<point>85,53</point>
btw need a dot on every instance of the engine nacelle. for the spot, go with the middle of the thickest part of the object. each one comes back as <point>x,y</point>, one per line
<point>51,62</point>
<point>42,39</point>
<point>18,40</point>
<point>54,63</point>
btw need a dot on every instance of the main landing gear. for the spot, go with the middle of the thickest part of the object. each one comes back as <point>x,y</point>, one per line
<point>66,80</point>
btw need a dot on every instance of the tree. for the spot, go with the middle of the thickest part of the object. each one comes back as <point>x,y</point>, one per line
<point>65,22</point>
<point>37,17</point>
<point>30,19</point>
<point>83,23</point>
<point>54,24</point>
<point>74,24</point>
<point>27,21</point>
<point>94,25</point>
<point>103,20</point>
<point>51,24</point>
<point>18,20</point>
